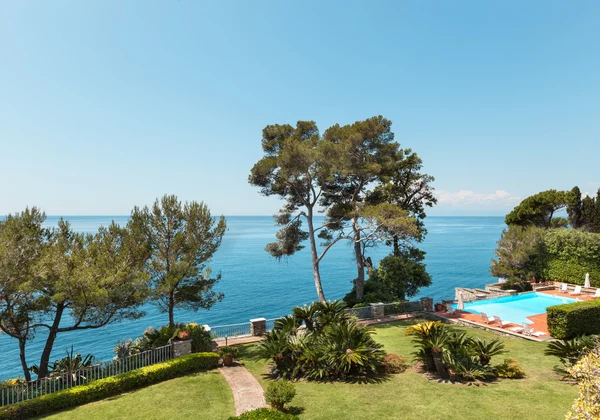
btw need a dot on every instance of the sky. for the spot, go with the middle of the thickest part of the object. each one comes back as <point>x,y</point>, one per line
<point>109,104</point>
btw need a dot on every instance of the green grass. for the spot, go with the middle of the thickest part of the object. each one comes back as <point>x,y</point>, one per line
<point>203,395</point>
<point>542,395</point>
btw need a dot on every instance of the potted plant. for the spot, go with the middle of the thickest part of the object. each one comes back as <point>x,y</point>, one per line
<point>183,335</point>
<point>228,353</point>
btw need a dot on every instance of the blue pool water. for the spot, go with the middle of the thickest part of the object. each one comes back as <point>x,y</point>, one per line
<point>516,309</point>
<point>459,250</point>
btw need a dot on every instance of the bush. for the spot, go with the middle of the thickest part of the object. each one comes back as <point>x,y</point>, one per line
<point>574,319</point>
<point>392,363</point>
<point>201,339</point>
<point>587,373</point>
<point>228,351</point>
<point>509,369</point>
<point>570,351</point>
<point>265,414</point>
<point>335,347</point>
<point>108,387</point>
<point>280,393</point>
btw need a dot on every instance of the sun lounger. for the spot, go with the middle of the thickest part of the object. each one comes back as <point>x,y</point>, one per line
<point>516,329</point>
<point>564,288</point>
<point>499,322</point>
<point>577,291</point>
<point>451,311</point>
<point>485,319</point>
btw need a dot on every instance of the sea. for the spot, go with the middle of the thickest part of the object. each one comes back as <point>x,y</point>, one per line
<point>255,285</point>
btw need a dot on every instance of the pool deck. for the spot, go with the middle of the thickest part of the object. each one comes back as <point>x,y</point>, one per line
<point>538,322</point>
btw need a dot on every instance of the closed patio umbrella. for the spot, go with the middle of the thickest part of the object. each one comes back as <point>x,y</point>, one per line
<point>461,301</point>
<point>587,280</point>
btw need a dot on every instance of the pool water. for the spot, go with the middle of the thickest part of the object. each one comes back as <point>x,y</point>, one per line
<point>517,308</point>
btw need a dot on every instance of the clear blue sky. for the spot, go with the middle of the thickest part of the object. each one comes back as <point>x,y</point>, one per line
<point>109,104</point>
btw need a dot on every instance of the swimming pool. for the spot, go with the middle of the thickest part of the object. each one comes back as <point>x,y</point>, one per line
<point>517,308</point>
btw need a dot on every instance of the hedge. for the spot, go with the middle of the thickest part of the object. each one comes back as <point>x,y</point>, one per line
<point>265,414</point>
<point>108,387</point>
<point>574,319</point>
<point>570,254</point>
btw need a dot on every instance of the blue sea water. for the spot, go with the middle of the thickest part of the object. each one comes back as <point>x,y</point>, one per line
<point>459,250</point>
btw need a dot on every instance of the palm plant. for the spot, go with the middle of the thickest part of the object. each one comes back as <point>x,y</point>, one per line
<point>466,365</point>
<point>69,367</point>
<point>423,334</point>
<point>288,323</point>
<point>570,351</point>
<point>438,343</point>
<point>307,314</point>
<point>352,350</point>
<point>485,350</point>
<point>330,313</point>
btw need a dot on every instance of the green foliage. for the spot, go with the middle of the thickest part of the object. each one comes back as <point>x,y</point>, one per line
<point>570,254</point>
<point>444,351</point>
<point>396,278</point>
<point>539,209</point>
<point>509,369</point>
<point>587,374</point>
<point>570,351</point>
<point>108,387</point>
<point>67,368</point>
<point>182,238</point>
<point>519,254</point>
<point>574,319</point>
<point>280,393</point>
<point>336,347</point>
<point>552,254</point>
<point>265,414</point>
<point>201,339</point>
<point>228,351</point>
<point>393,363</point>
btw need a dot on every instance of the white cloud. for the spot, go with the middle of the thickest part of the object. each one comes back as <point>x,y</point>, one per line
<point>468,197</point>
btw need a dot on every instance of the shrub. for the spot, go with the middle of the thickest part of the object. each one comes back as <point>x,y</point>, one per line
<point>265,414</point>
<point>509,369</point>
<point>201,339</point>
<point>574,319</point>
<point>392,363</point>
<point>108,387</point>
<point>334,347</point>
<point>280,393</point>
<point>228,351</point>
<point>570,351</point>
<point>587,373</point>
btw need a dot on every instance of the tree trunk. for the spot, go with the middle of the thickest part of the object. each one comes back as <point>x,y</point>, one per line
<point>440,367</point>
<point>360,266</point>
<point>171,310</point>
<point>315,257</point>
<point>45,359</point>
<point>26,372</point>
<point>396,246</point>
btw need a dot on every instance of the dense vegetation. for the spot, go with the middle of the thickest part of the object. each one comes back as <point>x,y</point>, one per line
<point>321,341</point>
<point>574,319</point>
<point>371,190</point>
<point>55,280</point>
<point>539,246</point>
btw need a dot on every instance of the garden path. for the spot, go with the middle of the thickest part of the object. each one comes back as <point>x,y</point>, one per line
<point>247,392</point>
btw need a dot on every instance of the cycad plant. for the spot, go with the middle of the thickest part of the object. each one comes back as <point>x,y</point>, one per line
<point>570,351</point>
<point>485,350</point>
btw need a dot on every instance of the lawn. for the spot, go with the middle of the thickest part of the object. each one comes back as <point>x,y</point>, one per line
<point>409,395</point>
<point>542,395</point>
<point>203,395</point>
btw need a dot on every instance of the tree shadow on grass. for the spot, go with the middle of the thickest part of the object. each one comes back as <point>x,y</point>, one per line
<point>295,411</point>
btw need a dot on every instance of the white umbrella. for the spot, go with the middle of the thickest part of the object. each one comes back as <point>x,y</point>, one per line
<point>587,280</point>
<point>461,301</point>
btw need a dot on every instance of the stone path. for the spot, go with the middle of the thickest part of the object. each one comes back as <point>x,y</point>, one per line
<point>247,392</point>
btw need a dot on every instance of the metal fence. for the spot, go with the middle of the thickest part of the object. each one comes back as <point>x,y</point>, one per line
<point>26,391</point>
<point>232,330</point>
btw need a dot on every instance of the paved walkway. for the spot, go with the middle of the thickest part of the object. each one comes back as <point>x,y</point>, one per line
<point>247,392</point>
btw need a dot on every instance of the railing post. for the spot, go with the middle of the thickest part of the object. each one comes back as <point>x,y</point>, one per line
<point>427,304</point>
<point>258,327</point>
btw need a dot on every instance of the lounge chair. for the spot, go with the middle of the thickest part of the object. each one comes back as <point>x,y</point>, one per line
<point>451,311</point>
<point>577,291</point>
<point>528,330</point>
<point>564,288</point>
<point>516,329</point>
<point>499,322</point>
<point>485,319</point>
